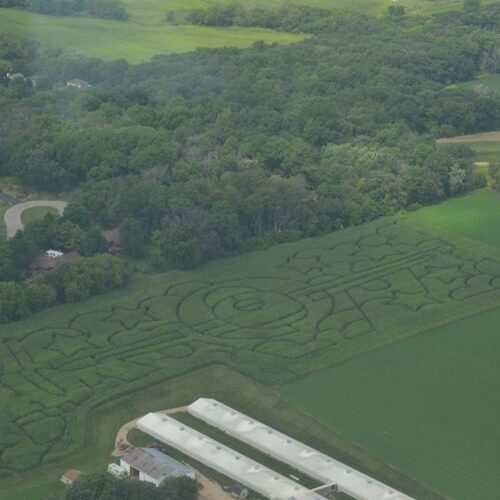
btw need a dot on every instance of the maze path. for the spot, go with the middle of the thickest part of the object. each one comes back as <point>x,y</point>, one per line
<point>313,307</point>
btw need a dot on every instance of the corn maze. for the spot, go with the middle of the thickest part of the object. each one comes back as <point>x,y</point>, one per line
<point>274,316</point>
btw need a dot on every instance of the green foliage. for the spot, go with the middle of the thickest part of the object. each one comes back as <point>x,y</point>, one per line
<point>101,487</point>
<point>106,9</point>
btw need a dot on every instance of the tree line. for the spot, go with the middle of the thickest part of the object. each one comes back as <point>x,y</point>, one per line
<point>106,9</point>
<point>105,487</point>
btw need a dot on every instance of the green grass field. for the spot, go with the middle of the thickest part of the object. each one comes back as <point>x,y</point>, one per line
<point>130,40</point>
<point>429,406</point>
<point>489,80</point>
<point>274,316</point>
<point>475,216</point>
<point>36,213</point>
<point>486,151</point>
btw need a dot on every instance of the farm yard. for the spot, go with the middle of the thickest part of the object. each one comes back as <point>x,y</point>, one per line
<point>283,314</point>
<point>429,406</point>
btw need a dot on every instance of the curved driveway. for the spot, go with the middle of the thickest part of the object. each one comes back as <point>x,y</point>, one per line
<point>12,217</point>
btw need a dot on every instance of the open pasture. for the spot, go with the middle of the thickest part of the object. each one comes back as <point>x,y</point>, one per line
<point>476,216</point>
<point>428,405</point>
<point>489,80</point>
<point>274,316</point>
<point>127,39</point>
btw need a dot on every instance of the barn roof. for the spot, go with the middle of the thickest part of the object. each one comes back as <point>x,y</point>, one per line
<point>288,450</point>
<point>225,460</point>
<point>156,464</point>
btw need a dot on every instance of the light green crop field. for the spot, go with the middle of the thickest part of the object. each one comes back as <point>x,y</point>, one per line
<point>36,213</point>
<point>274,316</point>
<point>489,80</point>
<point>129,40</point>
<point>475,216</point>
<point>429,406</point>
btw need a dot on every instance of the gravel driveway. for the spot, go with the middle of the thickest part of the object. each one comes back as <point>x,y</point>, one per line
<point>12,217</point>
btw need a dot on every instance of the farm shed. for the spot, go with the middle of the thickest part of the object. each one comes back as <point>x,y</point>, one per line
<point>70,476</point>
<point>153,466</point>
<point>290,451</point>
<point>223,459</point>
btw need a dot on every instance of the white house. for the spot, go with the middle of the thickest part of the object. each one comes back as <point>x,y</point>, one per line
<point>153,466</point>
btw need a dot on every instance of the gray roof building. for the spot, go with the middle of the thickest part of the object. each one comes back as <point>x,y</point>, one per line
<point>155,465</point>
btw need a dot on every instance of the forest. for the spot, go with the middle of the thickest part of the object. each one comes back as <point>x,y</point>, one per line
<point>105,9</point>
<point>221,151</point>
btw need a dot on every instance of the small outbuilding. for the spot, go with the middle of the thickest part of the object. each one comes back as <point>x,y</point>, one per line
<point>79,84</point>
<point>14,76</point>
<point>70,476</point>
<point>153,466</point>
<point>239,492</point>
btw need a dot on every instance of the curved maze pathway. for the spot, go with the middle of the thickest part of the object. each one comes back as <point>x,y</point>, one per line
<point>307,306</point>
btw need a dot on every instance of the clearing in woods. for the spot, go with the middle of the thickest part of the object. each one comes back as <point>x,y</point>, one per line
<point>274,316</point>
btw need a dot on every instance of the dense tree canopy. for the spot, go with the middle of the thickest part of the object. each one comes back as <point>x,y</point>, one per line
<point>215,152</point>
<point>105,487</point>
<point>107,9</point>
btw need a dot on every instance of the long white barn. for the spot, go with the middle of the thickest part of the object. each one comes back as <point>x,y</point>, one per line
<point>285,449</point>
<point>223,459</point>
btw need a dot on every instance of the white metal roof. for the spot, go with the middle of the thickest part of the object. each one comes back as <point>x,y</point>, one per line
<point>285,449</point>
<point>223,459</point>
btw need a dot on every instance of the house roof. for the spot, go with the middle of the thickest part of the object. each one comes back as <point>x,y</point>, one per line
<point>156,464</point>
<point>77,81</point>
<point>45,262</point>
<point>112,236</point>
<point>72,474</point>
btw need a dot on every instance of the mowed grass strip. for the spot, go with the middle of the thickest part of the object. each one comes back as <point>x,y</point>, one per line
<point>475,216</point>
<point>129,40</point>
<point>428,406</point>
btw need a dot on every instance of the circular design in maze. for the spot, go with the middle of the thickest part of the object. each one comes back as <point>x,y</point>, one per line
<point>240,305</point>
<point>252,308</point>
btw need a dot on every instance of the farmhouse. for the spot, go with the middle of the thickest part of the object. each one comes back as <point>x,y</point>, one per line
<point>153,466</point>
<point>49,261</point>
<point>79,84</point>
<point>70,476</point>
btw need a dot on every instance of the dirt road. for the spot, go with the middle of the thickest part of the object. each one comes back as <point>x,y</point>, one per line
<point>12,217</point>
<point>210,491</point>
<point>121,441</point>
<point>483,137</point>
